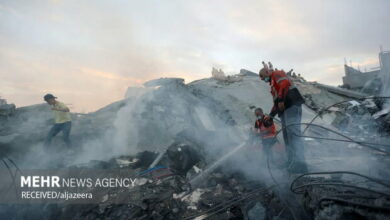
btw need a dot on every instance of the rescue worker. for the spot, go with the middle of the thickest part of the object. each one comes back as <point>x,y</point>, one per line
<point>267,131</point>
<point>62,120</point>
<point>288,105</point>
<point>271,67</point>
<point>289,72</point>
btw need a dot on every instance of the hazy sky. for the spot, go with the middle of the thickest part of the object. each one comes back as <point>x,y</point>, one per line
<point>88,52</point>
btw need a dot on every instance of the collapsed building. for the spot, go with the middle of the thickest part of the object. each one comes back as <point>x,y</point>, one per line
<point>356,79</point>
<point>6,109</point>
<point>369,82</point>
<point>190,147</point>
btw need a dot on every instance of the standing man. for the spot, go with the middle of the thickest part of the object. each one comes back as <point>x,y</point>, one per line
<point>288,105</point>
<point>62,120</point>
<point>267,131</point>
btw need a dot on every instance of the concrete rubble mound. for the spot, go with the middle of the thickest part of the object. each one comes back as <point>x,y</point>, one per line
<point>189,146</point>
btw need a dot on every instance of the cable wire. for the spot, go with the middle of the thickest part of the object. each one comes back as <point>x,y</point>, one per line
<point>378,181</point>
<point>364,144</point>
<point>335,199</point>
<point>295,189</point>
<point>277,185</point>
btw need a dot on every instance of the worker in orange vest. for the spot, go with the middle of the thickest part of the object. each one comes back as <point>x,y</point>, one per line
<point>288,105</point>
<point>266,130</point>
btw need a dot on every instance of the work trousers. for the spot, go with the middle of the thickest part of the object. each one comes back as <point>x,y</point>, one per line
<point>291,119</point>
<point>64,127</point>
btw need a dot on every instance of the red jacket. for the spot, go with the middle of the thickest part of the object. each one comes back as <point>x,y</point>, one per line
<point>283,90</point>
<point>281,83</point>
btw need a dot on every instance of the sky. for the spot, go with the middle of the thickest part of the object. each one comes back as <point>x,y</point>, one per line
<point>88,52</point>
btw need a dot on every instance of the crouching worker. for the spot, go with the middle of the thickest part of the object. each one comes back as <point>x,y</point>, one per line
<point>267,132</point>
<point>62,120</point>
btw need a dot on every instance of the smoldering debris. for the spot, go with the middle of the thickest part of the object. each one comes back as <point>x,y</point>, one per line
<point>170,133</point>
<point>162,193</point>
<point>165,193</point>
<point>343,195</point>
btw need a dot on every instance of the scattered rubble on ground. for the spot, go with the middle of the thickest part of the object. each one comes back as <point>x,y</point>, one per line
<point>171,132</point>
<point>343,195</point>
<point>354,114</point>
<point>164,193</point>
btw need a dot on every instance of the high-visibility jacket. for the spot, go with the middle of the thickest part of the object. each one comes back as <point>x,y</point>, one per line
<point>281,83</point>
<point>266,130</point>
<point>283,90</point>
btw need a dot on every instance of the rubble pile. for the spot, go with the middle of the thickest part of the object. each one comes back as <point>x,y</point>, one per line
<point>361,118</point>
<point>373,87</point>
<point>163,192</point>
<point>316,98</point>
<point>364,118</point>
<point>169,133</point>
<point>343,195</point>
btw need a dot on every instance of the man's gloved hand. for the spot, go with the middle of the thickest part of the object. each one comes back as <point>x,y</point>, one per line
<point>281,106</point>
<point>267,121</point>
